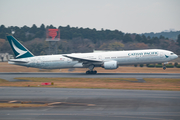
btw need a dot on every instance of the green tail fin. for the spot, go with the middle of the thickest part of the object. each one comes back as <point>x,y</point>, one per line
<point>19,50</point>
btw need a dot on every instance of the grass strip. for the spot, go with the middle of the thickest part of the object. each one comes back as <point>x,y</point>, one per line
<point>2,80</point>
<point>170,84</point>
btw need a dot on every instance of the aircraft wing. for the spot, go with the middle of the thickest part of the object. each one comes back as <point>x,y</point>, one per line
<point>82,59</point>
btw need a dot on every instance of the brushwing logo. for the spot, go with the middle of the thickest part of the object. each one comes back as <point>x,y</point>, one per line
<point>166,56</point>
<point>21,52</point>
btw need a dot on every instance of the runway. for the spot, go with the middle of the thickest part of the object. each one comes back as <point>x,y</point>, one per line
<point>11,76</point>
<point>103,104</point>
<point>106,104</point>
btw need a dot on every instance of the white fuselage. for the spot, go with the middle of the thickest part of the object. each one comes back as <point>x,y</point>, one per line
<point>122,57</point>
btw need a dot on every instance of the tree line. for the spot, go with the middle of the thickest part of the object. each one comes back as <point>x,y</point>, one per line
<point>74,39</point>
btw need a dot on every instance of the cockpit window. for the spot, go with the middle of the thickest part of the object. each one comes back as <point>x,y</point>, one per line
<point>172,53</point>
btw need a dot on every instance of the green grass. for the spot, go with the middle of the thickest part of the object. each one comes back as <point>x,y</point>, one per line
<point>2,80</point>
<point>170,84</point>
<point>162,80</point>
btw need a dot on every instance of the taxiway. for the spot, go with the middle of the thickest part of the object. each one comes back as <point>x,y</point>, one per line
<point>11,76</point>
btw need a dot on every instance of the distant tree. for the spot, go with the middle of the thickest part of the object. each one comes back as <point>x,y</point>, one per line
<point>148,37</point>
<point>154,40</point>
<point>164,43</point>
<point>2,27</point>
<point>127,38</point>
<point>2,41</point>
<point>112,46</point>
<point>138,38</point>
<point>68,26</point>
<point>34,26</point>
<point>4,31</point>
<point>138,46</point>
<point>25,28</point>
<point>33,29</point>
<point>178,40</point>
<point>161,37</point>
<point>144,39</point>
<point>42,27</point>
<point>51,26</point>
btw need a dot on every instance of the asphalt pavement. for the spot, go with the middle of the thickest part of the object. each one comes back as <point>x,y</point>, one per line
<point>88,104</point>
<point>11,76</point>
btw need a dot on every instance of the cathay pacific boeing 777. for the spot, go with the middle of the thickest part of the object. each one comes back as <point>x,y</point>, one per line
<point>107,60</point>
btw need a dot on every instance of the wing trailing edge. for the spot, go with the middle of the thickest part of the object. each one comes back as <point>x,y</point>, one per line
<point>82,59</point>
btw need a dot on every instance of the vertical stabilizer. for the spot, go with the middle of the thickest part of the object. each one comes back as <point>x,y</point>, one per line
<point>19,50</point>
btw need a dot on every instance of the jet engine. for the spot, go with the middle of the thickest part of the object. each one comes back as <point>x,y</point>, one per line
<point>110,65</point>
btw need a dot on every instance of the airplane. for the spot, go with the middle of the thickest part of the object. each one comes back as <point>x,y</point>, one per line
<point>108,59</point>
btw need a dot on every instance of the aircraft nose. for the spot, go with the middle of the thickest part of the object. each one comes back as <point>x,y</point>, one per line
<point>176,56</point>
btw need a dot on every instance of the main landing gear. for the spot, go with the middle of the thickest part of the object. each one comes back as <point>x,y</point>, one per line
<point>90,71</point>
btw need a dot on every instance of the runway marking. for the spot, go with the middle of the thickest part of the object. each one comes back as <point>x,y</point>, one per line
<point>49,104</point>
<point>66,103</point>
<point>12,101</point>
<point>54,103</point>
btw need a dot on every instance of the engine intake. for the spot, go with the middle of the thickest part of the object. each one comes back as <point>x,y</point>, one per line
<point>110,65</point>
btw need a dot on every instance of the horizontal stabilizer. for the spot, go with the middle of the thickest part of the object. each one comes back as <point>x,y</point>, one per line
<point>17,61</point>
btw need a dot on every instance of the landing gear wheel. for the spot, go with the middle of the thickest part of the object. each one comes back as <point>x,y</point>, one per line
<point>95,72</point>
<point>91,72</point>
<point>164,67</point>
<point>88,72</point>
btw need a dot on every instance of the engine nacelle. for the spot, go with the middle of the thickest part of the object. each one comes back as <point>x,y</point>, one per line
<point>110,65</point>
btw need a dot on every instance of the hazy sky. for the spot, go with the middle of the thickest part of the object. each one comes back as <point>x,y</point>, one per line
<point>132,16</point>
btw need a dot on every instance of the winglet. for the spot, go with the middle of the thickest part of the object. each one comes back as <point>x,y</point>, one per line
<point>19,50</point>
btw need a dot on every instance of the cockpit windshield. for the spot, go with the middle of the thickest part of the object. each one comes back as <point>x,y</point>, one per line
<point>172,53</point>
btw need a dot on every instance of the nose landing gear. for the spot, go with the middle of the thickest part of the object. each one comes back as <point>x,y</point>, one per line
<point>164,66</point>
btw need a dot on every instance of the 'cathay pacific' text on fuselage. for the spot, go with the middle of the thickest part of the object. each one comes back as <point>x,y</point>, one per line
<point>145,53</point>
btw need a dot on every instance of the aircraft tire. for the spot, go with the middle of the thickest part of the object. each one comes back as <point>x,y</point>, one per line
<point>91,72</point>
<point>164,67</point>
<point>95,72</point>
<point>87,72</point>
